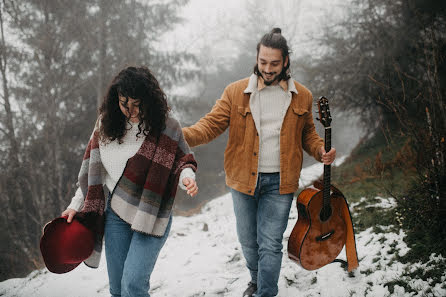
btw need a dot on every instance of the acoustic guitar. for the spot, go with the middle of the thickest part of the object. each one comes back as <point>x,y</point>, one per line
<point>324,222</point>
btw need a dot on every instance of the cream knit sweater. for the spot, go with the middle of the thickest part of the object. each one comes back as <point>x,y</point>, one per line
<point>274,102</point>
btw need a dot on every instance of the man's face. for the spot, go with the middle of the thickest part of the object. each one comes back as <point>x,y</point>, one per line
<point>270,64</point>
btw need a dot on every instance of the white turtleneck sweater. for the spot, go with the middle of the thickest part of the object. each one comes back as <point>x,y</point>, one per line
<point>114,158</point>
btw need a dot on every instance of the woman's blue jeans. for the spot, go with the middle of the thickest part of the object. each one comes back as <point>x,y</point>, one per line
<point>261,221</point>
<point>130,255</point>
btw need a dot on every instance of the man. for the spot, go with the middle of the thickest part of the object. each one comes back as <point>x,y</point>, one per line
<point>270,121</point>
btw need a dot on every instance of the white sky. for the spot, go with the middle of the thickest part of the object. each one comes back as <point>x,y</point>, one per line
<point>203,20</point>
<point>214,26</point>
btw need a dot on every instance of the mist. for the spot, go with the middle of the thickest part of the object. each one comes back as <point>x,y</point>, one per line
<point>58,57</point>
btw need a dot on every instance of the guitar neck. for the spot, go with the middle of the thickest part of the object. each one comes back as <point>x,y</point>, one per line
<point>327,168</point>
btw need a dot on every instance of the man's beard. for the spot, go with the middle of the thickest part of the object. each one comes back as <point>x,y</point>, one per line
<point>268,83</point>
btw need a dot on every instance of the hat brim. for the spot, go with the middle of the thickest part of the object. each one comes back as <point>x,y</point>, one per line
<point>58,267</point>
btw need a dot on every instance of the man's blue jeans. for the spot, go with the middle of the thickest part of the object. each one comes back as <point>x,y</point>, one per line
<point>130,255</point>
<point>261,222</point>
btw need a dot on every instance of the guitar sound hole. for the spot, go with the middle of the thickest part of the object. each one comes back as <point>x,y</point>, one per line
<point>325,213</point>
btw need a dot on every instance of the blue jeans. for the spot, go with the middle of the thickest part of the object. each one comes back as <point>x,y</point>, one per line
<point>130,255</point>
<point>261,221</point>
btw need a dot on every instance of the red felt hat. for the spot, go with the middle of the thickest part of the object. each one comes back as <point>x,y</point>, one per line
<point>65,245</point>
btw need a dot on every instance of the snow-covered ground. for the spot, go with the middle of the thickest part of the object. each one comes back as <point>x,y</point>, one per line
<point>202,257</point>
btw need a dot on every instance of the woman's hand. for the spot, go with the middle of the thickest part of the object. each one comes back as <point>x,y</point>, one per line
<point>69,213</point>
<point>191,186</point>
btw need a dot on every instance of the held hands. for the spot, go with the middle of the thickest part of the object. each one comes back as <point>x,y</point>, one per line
<point>69,213</point>
<point>327,158</point>
<point>191,186</point>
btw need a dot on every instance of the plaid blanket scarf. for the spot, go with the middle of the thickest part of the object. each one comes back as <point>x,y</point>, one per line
<point>145,193</point>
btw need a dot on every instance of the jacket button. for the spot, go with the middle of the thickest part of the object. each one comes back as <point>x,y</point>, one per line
<point>253,173</point>
<point>255,154</point>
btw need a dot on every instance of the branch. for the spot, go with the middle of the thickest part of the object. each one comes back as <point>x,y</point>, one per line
<point>3,44</point>
<point>4,131</point>
<point>378,83</point>
<point>30,215</point>
<point>403,87</point>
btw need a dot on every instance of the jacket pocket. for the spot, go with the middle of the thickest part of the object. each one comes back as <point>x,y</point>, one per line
<point>300,111</point>
<point>238,121</point>
<point>243,110</point>
<point>298,118</point>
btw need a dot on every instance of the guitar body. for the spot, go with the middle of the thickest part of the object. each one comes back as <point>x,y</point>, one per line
<point>324,224</point>
<point>314,242</point>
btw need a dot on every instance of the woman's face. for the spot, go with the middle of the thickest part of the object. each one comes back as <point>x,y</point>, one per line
<point>130,108</point>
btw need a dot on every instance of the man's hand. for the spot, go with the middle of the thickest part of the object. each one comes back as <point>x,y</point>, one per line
<point>191,186</point>
<point>327,158</point>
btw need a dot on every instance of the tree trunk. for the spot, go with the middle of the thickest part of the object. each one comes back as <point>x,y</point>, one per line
<point>9,122</point>
<point>102,43</point>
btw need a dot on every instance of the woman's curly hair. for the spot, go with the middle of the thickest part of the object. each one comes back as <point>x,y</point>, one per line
<point>140,84</point>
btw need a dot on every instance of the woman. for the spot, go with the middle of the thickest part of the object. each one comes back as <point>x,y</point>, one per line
<point>136,157</point>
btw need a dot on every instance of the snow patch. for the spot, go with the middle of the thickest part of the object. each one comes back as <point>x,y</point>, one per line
<point>202,257</point>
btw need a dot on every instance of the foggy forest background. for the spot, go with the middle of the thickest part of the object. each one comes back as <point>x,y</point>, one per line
<point>381,63</point>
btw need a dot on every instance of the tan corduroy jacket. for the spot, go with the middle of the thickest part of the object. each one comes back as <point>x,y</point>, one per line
<point>233,110</point>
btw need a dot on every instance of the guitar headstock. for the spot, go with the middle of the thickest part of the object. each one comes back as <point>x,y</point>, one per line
<point>324,112</point>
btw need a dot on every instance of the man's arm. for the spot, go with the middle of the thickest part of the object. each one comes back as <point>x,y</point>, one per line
<point>311,141</point>
<point>212,124</point>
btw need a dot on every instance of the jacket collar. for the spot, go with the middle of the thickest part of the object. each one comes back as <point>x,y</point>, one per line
<point>256,84</point>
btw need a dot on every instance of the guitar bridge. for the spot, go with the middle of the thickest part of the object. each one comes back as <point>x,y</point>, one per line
<point>325,236</point>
